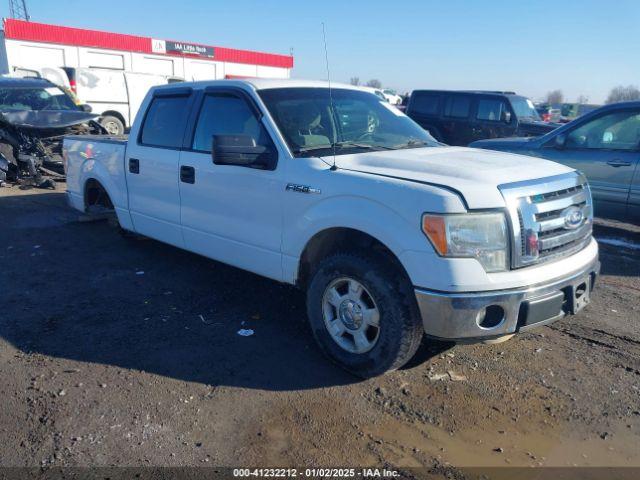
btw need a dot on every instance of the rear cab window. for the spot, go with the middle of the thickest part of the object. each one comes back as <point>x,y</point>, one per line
<point>165,121</point>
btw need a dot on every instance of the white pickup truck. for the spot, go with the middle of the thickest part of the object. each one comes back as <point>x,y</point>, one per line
<point>390,234</point>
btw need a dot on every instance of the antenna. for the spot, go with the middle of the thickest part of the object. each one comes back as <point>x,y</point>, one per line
<point>326,58</point>
<point>18,9</point>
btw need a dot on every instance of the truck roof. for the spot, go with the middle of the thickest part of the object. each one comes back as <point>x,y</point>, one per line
<point>261,83</point>
<point>471,92</point>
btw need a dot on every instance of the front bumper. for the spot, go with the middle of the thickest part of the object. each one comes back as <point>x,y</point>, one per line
<point>485,315</point>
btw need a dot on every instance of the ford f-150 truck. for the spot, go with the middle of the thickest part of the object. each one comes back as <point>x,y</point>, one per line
<point>391,235</point>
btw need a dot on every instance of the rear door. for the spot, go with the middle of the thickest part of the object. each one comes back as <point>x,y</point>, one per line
<point>457,124</point>
<point>607,149</point>
<point>152,166</point>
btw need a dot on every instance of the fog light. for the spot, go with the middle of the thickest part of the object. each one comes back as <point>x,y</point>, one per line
<point>490,316</point>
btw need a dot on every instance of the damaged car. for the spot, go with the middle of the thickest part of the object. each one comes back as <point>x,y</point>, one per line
<point>35,115</point>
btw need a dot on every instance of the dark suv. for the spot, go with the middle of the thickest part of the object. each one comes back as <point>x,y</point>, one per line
<point>462,117</point>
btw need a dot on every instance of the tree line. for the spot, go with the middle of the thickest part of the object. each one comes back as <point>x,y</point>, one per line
<point>373,83</point>
<point>617,94</point>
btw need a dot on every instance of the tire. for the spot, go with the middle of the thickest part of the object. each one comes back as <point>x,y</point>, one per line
<point>112,124</point>
<point>400,326</point>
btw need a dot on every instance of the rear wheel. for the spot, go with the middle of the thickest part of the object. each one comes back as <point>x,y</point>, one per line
<point>363,314</point>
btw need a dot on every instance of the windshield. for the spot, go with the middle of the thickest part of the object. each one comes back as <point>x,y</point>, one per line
<point>35,98</point>
<point>358,121</point>
<point>524,109</point>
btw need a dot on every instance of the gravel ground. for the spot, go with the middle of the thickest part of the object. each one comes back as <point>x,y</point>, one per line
<point>125,352</point>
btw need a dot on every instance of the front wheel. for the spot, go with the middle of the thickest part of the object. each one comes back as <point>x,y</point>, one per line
<point>363,314</point>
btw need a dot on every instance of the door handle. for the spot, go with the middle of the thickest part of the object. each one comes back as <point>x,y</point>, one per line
<point>134,165</point>
<point>187,174</point>
<point>619,163</point>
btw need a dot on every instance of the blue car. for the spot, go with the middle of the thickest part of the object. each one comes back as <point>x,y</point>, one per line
<point>603,144</point>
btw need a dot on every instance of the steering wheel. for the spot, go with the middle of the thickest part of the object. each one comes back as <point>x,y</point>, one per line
<point>365,135</point>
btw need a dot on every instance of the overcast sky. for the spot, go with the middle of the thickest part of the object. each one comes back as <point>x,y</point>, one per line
<point>582,47</point>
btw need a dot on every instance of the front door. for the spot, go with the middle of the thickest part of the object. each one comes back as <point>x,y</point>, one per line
<point>231,213</point>
<point>606,149</point>
<point>493,119</point>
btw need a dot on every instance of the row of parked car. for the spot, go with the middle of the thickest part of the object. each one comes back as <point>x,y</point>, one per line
<point>604,144</point>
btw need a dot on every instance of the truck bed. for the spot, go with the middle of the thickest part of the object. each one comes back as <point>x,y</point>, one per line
<point>100,138</point>
<point>96,157</point>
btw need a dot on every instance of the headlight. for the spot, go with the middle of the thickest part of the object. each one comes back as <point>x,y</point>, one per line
<point>474,235</point>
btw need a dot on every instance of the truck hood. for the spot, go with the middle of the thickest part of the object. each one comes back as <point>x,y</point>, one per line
<point>475,174</point>
<point>44,119</point>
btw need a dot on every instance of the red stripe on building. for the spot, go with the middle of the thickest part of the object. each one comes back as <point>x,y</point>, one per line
<point>80,37</point>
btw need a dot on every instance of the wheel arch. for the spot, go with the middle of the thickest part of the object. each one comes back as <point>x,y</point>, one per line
<point>117,114</point>
<point>342,239</point>
<point>94,193</point>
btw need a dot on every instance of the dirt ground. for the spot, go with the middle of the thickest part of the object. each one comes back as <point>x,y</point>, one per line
<point>117,351</point>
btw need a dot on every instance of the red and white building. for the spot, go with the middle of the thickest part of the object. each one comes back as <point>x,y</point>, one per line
<point>38,45</point>
<point>112,72</point>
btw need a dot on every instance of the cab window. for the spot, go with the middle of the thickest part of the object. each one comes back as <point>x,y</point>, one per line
<point>227,114</point>
<point>457,106</point>
<point>165,122</point>
<point>491,109</point>
<point>614,131</point>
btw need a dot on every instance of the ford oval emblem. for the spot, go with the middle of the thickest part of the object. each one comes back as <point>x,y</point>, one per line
<point>573,217</point>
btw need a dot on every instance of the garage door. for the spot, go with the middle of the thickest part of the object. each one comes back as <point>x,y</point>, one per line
<point>200,70</point>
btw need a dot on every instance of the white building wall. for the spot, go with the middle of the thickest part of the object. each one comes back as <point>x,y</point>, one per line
<point>202,69</point>
<point>157,64</point>
<point>33,54</point>
<point>271,72</point>
<point>240,69</point>
<point>97,58</point>
<point>37,55</point>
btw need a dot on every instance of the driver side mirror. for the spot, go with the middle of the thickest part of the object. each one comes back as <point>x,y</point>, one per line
<point>560,141</point>
<point>241,150</point>
<point>86,108</point>
<point>506,117</point>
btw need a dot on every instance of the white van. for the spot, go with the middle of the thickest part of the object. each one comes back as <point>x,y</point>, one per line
<point>115,95</point>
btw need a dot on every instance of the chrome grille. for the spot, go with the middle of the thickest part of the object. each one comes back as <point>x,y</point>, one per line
<point>549,218</point>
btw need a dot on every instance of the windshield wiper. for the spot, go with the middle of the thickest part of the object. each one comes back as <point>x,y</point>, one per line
<point>413,143</point>
<point>311,148</point>
<point>341,145</point>
<point>368,146</point>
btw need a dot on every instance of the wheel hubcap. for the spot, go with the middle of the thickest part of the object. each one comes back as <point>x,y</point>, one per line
<point>351,315</point>
<point>112,128</point>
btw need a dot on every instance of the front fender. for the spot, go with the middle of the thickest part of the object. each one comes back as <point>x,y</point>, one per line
<point>376,219</point>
